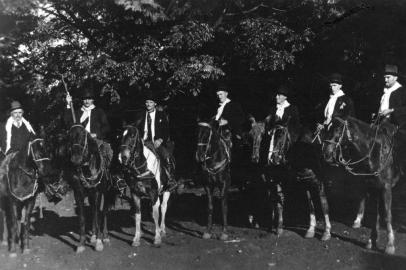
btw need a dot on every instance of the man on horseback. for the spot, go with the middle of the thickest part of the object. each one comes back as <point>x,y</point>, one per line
<point>284,114</point>
<point>16,133</point>
<point>230,117</point>
<point>339,103</point>
<point>95,121</point>
<point>392,108</point>
<point>154,129</point>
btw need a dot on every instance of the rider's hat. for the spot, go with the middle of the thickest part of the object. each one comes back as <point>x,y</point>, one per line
<point>15,105</point>
<point>283,90</point>
<point>336,78</point>
<point>391,70</point>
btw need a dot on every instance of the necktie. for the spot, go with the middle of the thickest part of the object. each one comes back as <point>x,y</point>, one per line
<point>149,122</point>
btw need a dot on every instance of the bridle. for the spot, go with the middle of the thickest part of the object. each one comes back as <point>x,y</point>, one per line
<point>31,151</point>
<point>348,163</point>
<point>84,147</point>
<point>131,146</point>
<point>206,144</point>
<point>223,163</point>
<point>285,140</point>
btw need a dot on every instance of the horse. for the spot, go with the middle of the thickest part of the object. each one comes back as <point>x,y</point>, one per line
<point>87,172</point>
<point>21,173</point>
<point>367,151</point>
<point>141,170</point>
<point>293,156</point>
<point>213,155</point>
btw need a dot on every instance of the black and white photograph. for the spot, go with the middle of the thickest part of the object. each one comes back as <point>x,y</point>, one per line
<point>202,134</point>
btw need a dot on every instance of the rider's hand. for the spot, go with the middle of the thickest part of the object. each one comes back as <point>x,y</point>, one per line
<point>223,122</point>
<point>93,135</point>
<point>157,143</point>
<point>68,99</point>
<point>319,126</point>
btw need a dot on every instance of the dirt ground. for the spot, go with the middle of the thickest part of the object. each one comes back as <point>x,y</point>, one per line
<point>55,236</point>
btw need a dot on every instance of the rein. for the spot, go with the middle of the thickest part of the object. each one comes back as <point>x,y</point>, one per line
<point>219,167</point>
<point>285,140</point>
<point>347,163</point>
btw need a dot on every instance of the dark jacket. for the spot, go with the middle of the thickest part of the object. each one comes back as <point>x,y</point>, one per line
<point>20,138</point>
<point>98,121</point>
<point>343,108</point>
<point>290,119</point>
<point>397,102</point>
<point>161,125</point>
<point>235,117</point>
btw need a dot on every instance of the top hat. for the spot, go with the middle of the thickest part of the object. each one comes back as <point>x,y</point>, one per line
<point>222,86</point>
<point>336,78</point>
<point>283,90</point>
<point>391,70</point>
<point>15,105</point>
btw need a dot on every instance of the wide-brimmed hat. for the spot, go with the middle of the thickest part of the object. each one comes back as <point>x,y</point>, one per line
<point>336,78</point>
<point>284,90</point>
<point>391,70</point>
<point>15,105</point>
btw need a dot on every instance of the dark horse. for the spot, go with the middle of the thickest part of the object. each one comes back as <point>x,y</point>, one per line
<point>367,151</point>
<point>295,157</point>
<point>88,174</point>
<point>21,173</point>
<point>213,154</point>
<point>142,173</point>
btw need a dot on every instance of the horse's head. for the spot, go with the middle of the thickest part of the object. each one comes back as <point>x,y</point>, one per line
<point>281,140</point>
<point>48,170</point>
<point>131,144</point>
<point>78,144</point>
<point>256,133</point>
<point>204,135</point>
<point>335,139</point>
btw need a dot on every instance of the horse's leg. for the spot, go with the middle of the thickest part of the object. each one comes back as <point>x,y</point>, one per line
<point>105,211</point>
<point>164,206</point>
<point>311,230</point>
<point>360,214</point>
<point>98,203</point>
<point>209,192</point>
<point>155,217</point>
<point>93,205</point>
<point>3,237</point>
<point>372,241</point>
<point>137,206</point>
<point>387,200</point>
<point>279,206</point>
<point>11,217</point>
<point>224,204</point>
<point>324,208</point>
<point>25,228</point>
<point>79,198</point>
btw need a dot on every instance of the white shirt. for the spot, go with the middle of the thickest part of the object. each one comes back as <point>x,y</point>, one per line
<point>221,108</point>
<point>87,112</point>
<point>329,110</point>
<point>152,114</point>
<point>386,96</point>
<point>280,108</point>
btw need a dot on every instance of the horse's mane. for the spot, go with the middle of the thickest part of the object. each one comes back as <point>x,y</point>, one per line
<point>384,127</point>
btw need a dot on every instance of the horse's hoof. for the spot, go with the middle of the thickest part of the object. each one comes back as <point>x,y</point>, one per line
<point>4,243</point>
<point>157,241</point>
<point>309,234</point>
<point>99,245</point>
<point>223,237</point>
<point>356,225</point>
<point>26,251</point>
<point>163,233</point>
<point>256,226</point>
<point>206,235</point>
<point>279,231</point>
<point>93,239</point>
<point>106,240</point>
<point>390,250</point>
<point>80,249</point>
<point>326,236</point>
<point>136,243</point>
